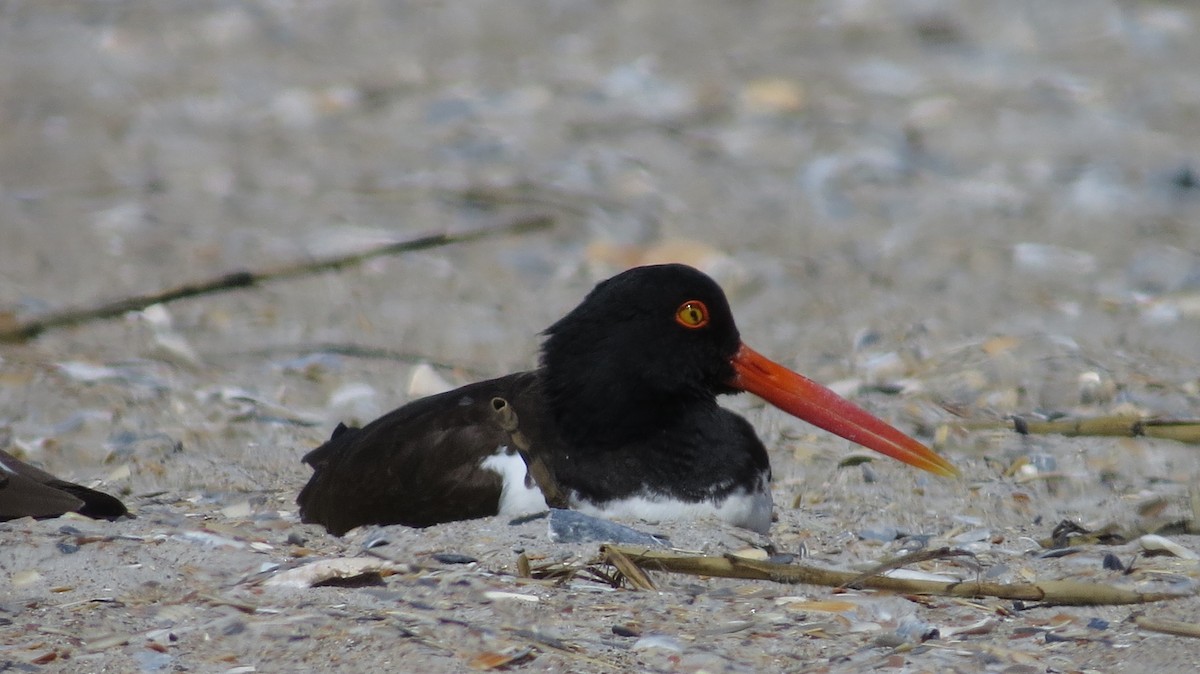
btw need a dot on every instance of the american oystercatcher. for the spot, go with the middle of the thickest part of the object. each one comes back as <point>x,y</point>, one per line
<point>620,419</point>
<point>26,491</point>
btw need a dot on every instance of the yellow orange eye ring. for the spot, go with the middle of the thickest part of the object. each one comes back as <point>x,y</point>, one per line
<point>692,314</point>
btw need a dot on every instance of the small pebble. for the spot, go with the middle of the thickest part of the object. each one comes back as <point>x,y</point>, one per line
<point>454,558</point>
<point>239,510</point>
<point>889,640</point>
<point>496,594</point>
<point>1112,562</point>
<point>972,536</point>
<point>1056,260</point>
<point>151,661</point>
<point>570,526</point>
<point>1154,543</point>
<point>884,534</point>
<point>626,631</point>
<point>26,577</point>
<point>658,641</point>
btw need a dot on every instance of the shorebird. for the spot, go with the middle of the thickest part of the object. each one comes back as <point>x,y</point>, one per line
<point>619,419</point>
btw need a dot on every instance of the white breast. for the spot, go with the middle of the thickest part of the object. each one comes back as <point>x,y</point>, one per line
<point>520,496</point>
<point>748,509</point>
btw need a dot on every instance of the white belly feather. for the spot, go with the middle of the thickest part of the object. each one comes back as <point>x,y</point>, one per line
<point>521,496</point>
<point>518,496</point>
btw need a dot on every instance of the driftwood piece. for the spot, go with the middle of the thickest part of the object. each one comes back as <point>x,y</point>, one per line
<point>628,567</point>
<point>1174,627</point>
<point>1180,430</point>
<point>13,330</point>
<point>1059,592</point>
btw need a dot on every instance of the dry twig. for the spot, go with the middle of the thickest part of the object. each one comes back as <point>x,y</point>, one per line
<point>19,331</point>
<point>627,568</point>
<point>902,561</point>
<point>1180,430</point>
<point>1175,627</point>
<point>1063,592</point>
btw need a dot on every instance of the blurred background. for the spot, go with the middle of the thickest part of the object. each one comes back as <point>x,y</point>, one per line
<point>982,207</point>
<point>949,211</point>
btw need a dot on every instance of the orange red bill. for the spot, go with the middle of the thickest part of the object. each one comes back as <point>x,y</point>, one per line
<point>806,399</point>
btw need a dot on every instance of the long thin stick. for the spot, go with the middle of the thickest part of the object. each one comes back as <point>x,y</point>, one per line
<point>1181,430</point>
<point>1064,592</point>
<point>20,331</point>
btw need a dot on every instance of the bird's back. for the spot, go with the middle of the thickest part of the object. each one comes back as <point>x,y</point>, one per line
<point>419,465</point>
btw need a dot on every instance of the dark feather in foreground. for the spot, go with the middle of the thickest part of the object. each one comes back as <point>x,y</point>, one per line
<point>27,491</point>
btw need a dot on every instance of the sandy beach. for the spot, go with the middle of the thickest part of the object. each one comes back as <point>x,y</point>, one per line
<point>951,213</point>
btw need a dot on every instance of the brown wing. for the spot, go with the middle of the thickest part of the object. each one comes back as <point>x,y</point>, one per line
<point>27,491</point>
<point>418,465</point>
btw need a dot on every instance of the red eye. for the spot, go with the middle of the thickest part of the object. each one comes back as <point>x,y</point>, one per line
<point>692,314</point>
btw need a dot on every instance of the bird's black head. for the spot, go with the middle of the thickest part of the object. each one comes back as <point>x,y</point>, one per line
<point>640,345</point>
<point>651,344</point>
